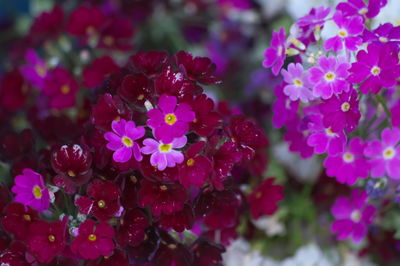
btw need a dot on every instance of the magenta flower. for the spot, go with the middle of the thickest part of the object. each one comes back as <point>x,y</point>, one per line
<point>297,134</point>
<point>385,154</point>
<point>283,109</point>
<point>122,140</point>
<point>163,154</point>
<point>329,76</point>
<point>324,139</point>
<point>275,55</point>
<point>359,7</point>
<point>35,71</point>
<point>31,190</point>
<point>315,18</point>
<point>341,112</point>
<point>377,68</point>
<point>384,33</point>
<point>346,36</point>
<point>349,165</point>
<point>298,86</point>
<point>170,120</point>
<point>352,215</point>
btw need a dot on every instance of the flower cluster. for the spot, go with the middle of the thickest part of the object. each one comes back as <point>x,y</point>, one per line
<point>123,162</point>
<point>338,98</point>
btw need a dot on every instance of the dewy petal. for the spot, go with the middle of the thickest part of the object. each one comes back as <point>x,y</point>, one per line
<point>167,103</point>
<point>122,155</point>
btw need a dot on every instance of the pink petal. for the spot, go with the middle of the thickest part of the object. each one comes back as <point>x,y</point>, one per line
<point>122,155</point>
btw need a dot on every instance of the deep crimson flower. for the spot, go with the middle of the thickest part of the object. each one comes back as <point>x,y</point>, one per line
<point>61,87</point>
<point>14,255</point>
<point>98,70</point>
<point>17,219</point>
<point>47,26</point>
<point>200,69</point>
<point>117,259</point>
<point>207,253</point>
<point>104,200</point>
<point>116,34</point>
<point>109,108</point>
<point>171,252</point>
<point>206,119</point>
<point>161,198</point>
<point>136,89</point>
<point>179,221</point>
<point>196,169</point>
<point>144,252</point>
<point>46,240</point>
<point>247,135</point>
<point>175,84</point>
<point>264,198</point>
<point>72,163</point>
<point>13,91</point>
<point>132,228</point>
<point>149,63</point>
<point>85,21</point>
<point>93,240</point>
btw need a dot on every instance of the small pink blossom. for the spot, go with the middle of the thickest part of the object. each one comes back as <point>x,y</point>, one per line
<point>275,55</point>
<point>122,140</point>
<point>35,71</point>
<point>164,155</point>
<point>298,86</point>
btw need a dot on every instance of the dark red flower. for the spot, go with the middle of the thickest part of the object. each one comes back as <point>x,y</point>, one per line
<point>179,221</point>
<point>47,26</point>
<point>144,252</point>
<point>46,240</point>
<point>196,169</point>
<point>200,69</point>
<point>72,163</point>
<point>17,219</point>
<point>225,235</point>
<point>136,89</point>
<point>117,259</point>
<point>94,240</point>
<point>161,198</point>
<point>14,255</point>
<point>206,118</point>
<point>117,33</point>
<point>109,108</point>
<point>132,229</point>
<point>14,145</point>
<point>175,84</point>
<point>13,91</point>
<point>85,21</point>
<point>264,198</point>
<point>171,252</point>
<point>207,253</point>
<point>103,202</point>
<point>150,63</point>
<point>98,70</point>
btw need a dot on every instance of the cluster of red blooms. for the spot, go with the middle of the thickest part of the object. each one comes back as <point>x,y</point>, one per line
<point>106,212</point>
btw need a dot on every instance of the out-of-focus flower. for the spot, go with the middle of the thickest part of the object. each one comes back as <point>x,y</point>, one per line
<point>275,55</point>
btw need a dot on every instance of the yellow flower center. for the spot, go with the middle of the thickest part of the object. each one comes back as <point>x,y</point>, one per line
<point>190,162</point>
<point>127,141</point>
<point>375,70</point>
<point>170,119</point>
<point>108,40</point>
<point>65,89</point>
<point>71,173</point>
<point>52,238</point>
<point>172,246</point>
<point>363,11</point>
<point>329,132</point>
<point>348,157</point>
<point>117,118</point>
<point>101,203</point>
<point>342,33</point>
<point>389,153</point>
<point>163,187</point>
<point>92,237</point>
<point>27,217</point>
<point>329,76</point>
<point>383,39</point>
<point>165,147</point>
<point>37,192</point>
<point>345,107</point>
<point>298,82</point>
<point>140,97</point>
<point>356,216</point>
<point>40,70</point>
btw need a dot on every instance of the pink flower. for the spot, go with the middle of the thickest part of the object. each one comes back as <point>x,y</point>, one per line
<point>283,108</point>
<point>349,165</point>
<point>35,71</point>
<point>316,17</point>
<point>275,55</point>
<point>346,36</point>
<point>323,139</point>
<point>352,215</point>
<point>61,87</point>
<point>329,76</point>
<point>358,7</point>
<point>31,190</point>
<point>170,121</point>
<point>377,68</point>
<point>122,140</point>
<point>385,154</point>
<point>163,154</point>
<point>298,86</point>
<point>341,112</point>
<point>93,240</point>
